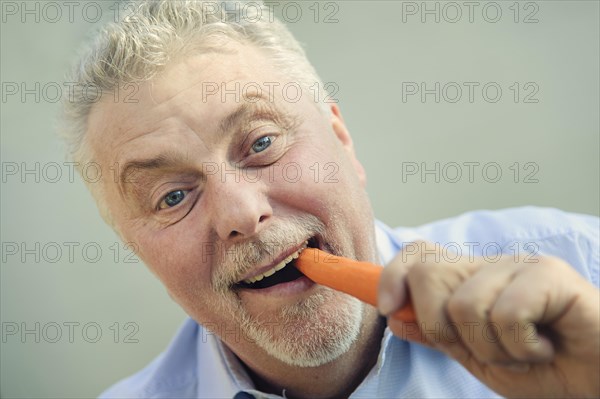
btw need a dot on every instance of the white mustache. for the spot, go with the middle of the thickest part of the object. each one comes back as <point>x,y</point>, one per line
<point>236,261</point>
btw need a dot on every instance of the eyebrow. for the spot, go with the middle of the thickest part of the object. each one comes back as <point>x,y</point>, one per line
<point>251,110</point>
<point>246,111</point>
<point>162,161</point>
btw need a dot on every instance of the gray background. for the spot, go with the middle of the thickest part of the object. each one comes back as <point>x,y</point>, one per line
<point>369,53</point>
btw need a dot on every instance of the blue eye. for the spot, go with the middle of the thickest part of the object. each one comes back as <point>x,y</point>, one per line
<point>173,198</point>
<point>261,144</point>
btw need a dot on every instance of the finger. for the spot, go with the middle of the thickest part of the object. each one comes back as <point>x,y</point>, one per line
<point>470,305</point>
<point>393,291</point>
<point>406,331</point>
<point>529,302</point>
<point>431,284</point>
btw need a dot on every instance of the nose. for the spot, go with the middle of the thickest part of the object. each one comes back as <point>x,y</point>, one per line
<point>240,208</point>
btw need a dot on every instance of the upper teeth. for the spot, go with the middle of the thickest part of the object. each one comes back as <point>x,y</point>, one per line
<point>277,267</point>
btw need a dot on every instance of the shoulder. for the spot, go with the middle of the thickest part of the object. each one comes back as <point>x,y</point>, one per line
<point>501,225</point>
<point>530,230</point>
<point>513,223</point>
<point>171,374</point>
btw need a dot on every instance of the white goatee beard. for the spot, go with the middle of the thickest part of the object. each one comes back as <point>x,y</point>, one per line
<point>309,333</point>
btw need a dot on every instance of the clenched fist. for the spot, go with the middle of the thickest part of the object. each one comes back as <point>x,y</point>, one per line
<point>523,326</point>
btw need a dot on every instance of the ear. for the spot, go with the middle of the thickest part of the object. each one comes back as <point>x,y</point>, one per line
<point>341,132</point>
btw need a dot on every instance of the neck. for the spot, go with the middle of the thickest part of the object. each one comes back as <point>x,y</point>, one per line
<point>336,379</point>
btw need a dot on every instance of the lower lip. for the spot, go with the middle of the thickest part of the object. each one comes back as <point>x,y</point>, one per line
<point>297,286</point>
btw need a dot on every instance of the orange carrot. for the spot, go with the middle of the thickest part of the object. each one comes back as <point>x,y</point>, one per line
<point>359,279</point>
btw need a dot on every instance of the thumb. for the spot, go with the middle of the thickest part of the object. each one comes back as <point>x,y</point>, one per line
<point>394,293</point>
<point>393,290</point>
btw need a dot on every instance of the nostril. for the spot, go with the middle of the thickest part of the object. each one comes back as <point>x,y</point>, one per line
<point>262,218</point>
<point>233,234</point>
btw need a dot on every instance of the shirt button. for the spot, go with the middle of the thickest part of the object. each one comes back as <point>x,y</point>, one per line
<point>243,395</point>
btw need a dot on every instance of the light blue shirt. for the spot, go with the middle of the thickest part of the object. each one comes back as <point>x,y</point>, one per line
<point>197,365</point>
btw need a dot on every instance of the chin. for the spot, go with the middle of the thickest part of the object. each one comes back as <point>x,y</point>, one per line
<point>309,333</point>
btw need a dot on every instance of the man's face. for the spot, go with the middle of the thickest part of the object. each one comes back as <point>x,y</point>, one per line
<point>217,190</point>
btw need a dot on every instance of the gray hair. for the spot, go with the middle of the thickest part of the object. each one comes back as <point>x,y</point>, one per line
<point>150,35</point>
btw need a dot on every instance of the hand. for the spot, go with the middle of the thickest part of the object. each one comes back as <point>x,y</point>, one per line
<point>524,327</point>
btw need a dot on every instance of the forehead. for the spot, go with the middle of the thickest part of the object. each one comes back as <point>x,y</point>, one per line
<point>233,64</point>
<point>197,90</point>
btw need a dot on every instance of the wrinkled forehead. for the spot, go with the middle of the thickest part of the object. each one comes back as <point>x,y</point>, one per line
<point>211,85</point>
<point>235,67</point>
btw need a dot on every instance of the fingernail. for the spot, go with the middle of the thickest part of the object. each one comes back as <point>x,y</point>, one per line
<point>385,303</point>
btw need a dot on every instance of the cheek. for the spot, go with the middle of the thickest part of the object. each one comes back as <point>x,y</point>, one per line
<point>177,259</point>
<point>315,177</point>
<point>331,190</point>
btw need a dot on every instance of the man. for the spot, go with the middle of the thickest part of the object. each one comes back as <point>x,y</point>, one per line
<point>218,193</point>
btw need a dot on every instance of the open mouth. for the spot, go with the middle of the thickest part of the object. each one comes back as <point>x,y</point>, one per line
<point>283,272</point>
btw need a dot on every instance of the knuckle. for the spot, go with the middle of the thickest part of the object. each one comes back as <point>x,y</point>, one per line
<point>419,273</point>
<point>461,308</point>
<point>395,266</point>
<point>388,272</point>
<point>506,315</point>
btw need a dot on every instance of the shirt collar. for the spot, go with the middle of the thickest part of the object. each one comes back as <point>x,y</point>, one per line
<point>242,381</point>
